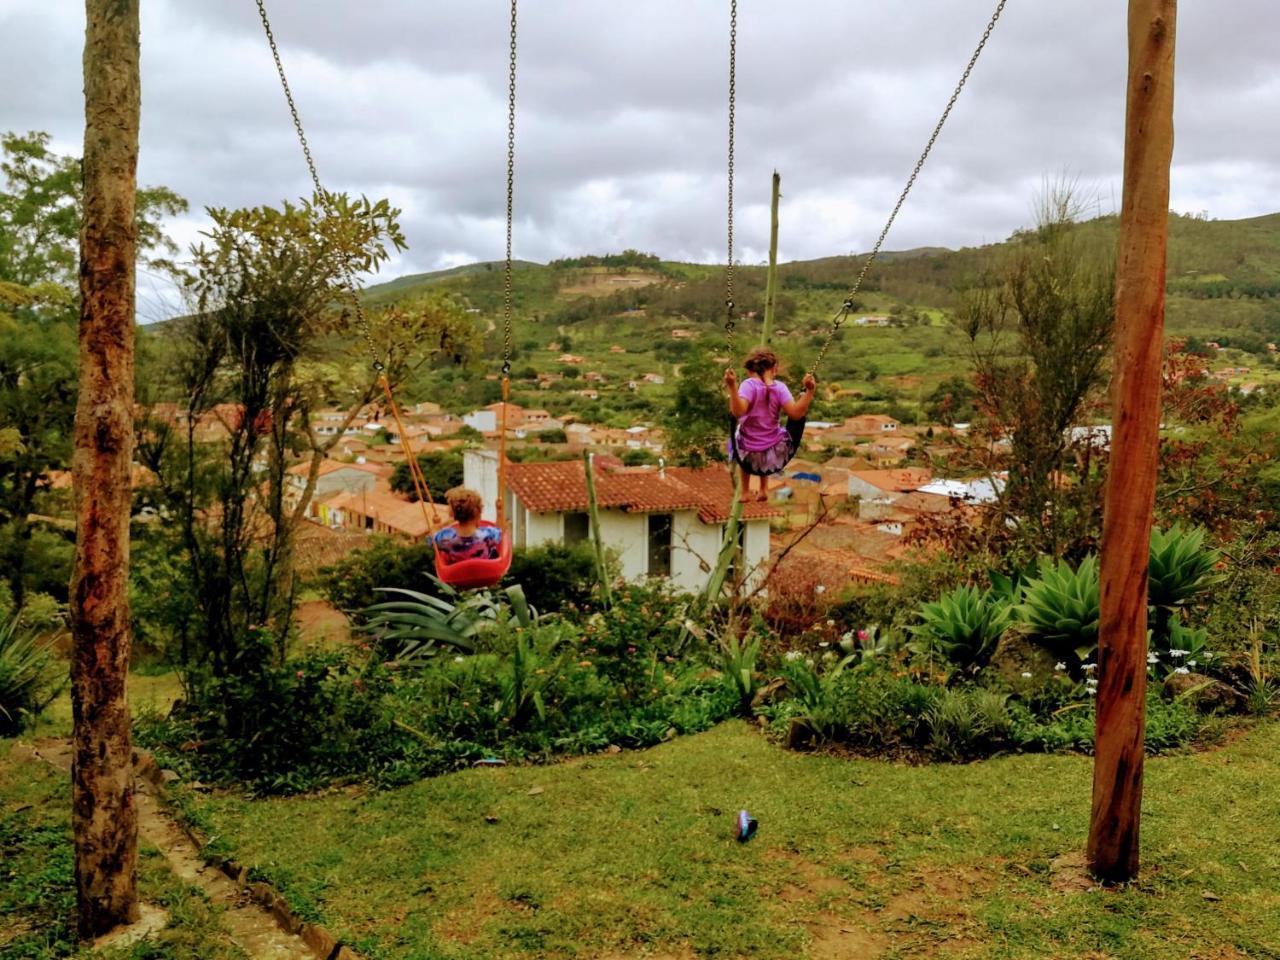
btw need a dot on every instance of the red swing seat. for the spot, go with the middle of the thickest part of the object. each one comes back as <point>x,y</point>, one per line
<point>478,573</point>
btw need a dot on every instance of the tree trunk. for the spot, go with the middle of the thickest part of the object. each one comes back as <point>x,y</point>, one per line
<point>104,816</point>
<point>1131,480</point>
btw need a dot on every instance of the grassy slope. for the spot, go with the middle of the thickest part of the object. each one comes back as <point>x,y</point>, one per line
<point>37,892</point>
<point>632,855</point>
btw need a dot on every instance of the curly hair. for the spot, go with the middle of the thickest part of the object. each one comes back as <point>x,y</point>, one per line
<point>464,504</point>
<point>761,359</point>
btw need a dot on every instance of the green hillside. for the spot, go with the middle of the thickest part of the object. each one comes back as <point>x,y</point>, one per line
<point>1224,285</point>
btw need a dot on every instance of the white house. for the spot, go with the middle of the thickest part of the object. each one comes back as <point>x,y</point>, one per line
<point>484,420</point>
<point>659,523</point>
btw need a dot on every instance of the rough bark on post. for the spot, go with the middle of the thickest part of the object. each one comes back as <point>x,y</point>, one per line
<point>771,287</point>
<point>104,815</point>
<point>1131,481</point>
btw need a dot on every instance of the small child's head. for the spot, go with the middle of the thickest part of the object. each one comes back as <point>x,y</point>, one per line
<point>760,360</point>
<point>464,504</point>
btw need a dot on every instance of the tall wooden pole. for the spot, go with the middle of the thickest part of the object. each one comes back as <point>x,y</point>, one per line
<point>1135,406</point>
<point>771,288</point>
<point>104,816</point>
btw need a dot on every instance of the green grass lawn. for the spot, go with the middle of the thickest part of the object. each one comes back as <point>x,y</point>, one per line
<point>632,855</point>
<point>37,890</point>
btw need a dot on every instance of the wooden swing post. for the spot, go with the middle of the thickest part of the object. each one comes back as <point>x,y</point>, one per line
<point>771,287</point>
<point>104,813</point>
<point>1135,412</point>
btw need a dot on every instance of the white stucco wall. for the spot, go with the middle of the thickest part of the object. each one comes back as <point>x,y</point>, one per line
<point>694,544</point>
<point>480,473</point>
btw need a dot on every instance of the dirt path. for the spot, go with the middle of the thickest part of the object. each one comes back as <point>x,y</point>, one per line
<point>249,925</point>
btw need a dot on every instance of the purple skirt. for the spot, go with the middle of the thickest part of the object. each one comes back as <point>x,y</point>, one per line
<point>771,460</point>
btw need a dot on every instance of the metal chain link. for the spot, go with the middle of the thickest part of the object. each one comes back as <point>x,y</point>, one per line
<point>730,320</point>
<point>511,181</point>
<point>348,283</point>
<point>847,307</point>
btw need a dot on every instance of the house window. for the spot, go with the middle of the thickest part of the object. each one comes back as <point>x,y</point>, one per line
<point>368,523</point>
<point>659,544</point>
<point>577,527</point>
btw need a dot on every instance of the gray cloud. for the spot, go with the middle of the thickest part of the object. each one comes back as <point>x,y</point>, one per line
<point>622,114</point>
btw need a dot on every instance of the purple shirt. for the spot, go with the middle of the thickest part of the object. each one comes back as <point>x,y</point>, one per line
<point>758,428</point>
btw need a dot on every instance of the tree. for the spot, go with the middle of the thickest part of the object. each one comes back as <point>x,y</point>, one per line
<point>442,471</point>
<point>1038,329</point>
<point>104,814</point>
<point>267,344</point>
<point>40,217</point>
<point>698,422</point>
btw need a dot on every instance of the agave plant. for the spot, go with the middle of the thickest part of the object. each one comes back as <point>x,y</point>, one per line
<point>1180,570</point>
<point>964,626</point>
<point>28,675</point>
<point>532,670</point>
<point>1061,607</point>
<point>738,664</point>
<point>818,693</point>
<point>418,625</point>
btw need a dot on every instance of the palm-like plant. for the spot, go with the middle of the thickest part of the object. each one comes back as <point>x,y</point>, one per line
<point>418,625</point>
<point>964,626</point>
<point>738,664</point>
<point>1180,569</point>
<point>1061,607</point>
<point>28,675</point>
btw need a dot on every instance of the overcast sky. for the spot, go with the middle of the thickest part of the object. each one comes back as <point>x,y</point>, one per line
<point>622,114</point>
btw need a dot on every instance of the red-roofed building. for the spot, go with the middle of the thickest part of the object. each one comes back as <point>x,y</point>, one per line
<point>659,522</point>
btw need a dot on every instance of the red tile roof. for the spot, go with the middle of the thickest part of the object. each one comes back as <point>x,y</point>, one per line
<point>561,486</point>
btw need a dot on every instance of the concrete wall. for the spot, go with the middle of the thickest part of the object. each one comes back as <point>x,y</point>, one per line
<point>694,544</point>
<point>480,473</point>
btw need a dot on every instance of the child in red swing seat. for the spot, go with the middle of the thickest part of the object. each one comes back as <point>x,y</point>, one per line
<point>465,538</point>
<point>759,444</point>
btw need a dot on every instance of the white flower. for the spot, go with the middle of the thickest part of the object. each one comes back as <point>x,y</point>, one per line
<point>791,656</point>
<point>1191,663</point>
<point>1059,666</point>
<point>824,643</point>
<point>1091,683</point>
<point>1208,655</point>
<point>831,623</point>
<point>1178,653</point>
<point>847,636</point>
<point>1026,675</point>
<point>1089,667</point>
<point>820,588</point>
<point>1092,691</point>
<point>1152,658</point>
<point>1181,670</point>
<point>459,659</point>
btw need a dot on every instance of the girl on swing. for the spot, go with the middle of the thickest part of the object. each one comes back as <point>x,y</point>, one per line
<point>757,443</point>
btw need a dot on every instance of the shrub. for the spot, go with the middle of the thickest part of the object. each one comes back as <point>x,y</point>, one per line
<point>555,577</point>
<point>738,656</point>
<point>1180,567</point>
<point>799,607</point>
<point>817,693</point>
<point>968,723</point>
<point>964,626</point>
<point>30,676</point>
<point>1061,608</point>
<point>352,583</point>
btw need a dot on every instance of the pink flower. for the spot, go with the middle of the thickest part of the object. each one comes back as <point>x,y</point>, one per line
<point>862,635</point>
<point>298,674</point>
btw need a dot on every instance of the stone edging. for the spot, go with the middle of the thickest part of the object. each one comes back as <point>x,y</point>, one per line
<point>317,938</point>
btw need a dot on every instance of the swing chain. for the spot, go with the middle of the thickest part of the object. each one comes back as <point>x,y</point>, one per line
<point>511,181</point>
<point>847,306</point>
<point>347,282</point>
<point>730,322</point>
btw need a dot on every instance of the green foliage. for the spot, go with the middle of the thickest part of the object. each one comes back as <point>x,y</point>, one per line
<point>738,656</point>
<point>555,435</point>
<point>442,471</point>
<point>556,577</point>
<point>30,675</point>
<point>816,692</point>
<point>1181,568</point>
<point>964,625</point>
<point>697,420</point>
<point>1060,607</point>
<point>418,624</point>
<point>968,723</point>
<point>352,583</point>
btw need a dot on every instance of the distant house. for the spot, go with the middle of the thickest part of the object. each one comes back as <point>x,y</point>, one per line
<point>594,376</point>
<point>879,484</point>
<point>589,394</point>
<point>873,321</point>
<point>660,523</point>
<point>380,512</point>
<point>681,334</point>
<point>981,490</point>
<point>571,359</point>
<point>654,378</point>
<point>333,477</point>
<point>617,349</point>
<point>870,425</point>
